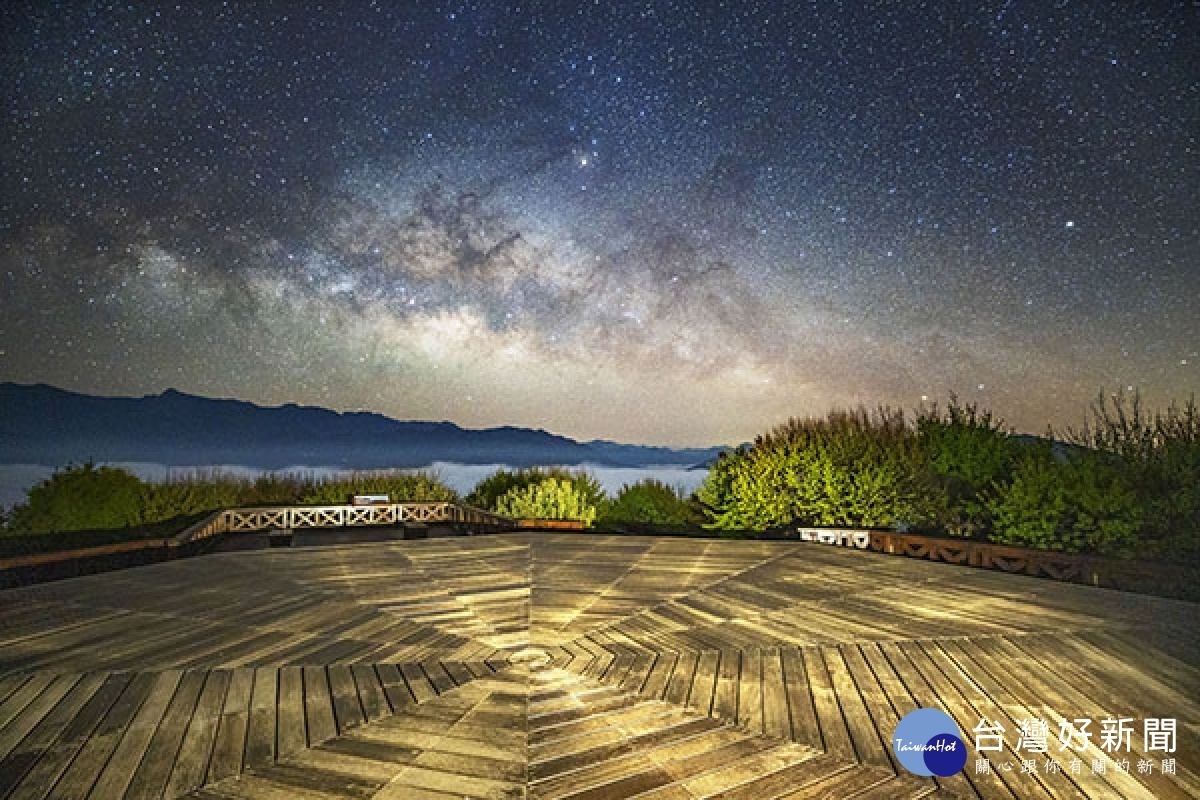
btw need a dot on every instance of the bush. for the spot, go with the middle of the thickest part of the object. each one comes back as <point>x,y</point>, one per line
<point>81,498</point>
<point>417,487</point>
<point>851,468</point>
<point>1077,503</point>
<point>487,493</point>
<point>551,498</point>
<point>94,498</point>
<point>716,495</point>
<point>192,494</point>
<point>1159,456</point>
<point>651,502</point>
<point>275,489</point>
<point>969,455</point>
<point>489,490</point>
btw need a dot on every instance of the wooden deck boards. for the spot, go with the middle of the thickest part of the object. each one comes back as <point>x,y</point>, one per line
<point>549,666</point>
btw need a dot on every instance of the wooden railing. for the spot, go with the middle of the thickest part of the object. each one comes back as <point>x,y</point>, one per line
<point>1172,580</point>
<point>245,520</point>
<point>1075,567</point>
<point>21,569</point>
<point>1060,566</point>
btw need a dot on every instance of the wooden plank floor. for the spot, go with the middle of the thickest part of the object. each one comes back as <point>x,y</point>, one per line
<point>579,666</point>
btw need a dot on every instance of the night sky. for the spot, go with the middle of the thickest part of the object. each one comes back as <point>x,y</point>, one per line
<point>658,222</point>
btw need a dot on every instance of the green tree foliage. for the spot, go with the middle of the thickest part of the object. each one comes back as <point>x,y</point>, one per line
<point>1078,502</point>
<point>1128,482</point>
<point>716,495</point>
<point>651,502</point>
<point>202,490</point>
<point>589,489</point>
<point>550,498</point>
<point>969,455</point>
<point>274,489</point>
<point>95,498</point>
<point>1159,456</point>
<point>78,498</point>
<point>182,495</point>
<point>850,468</point>
<point>417,487</point>
<point>490,489</point>
<point>487,493</point>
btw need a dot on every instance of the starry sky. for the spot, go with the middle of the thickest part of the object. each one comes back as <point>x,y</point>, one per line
<point>657,222</point>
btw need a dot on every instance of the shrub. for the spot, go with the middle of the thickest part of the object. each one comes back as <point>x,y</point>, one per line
<point>419,487</point>
<point>969,455</point>
<point>716,495</point>
<point>192,494</point>
<point>1159,455</point>
<point>489,490</point>
<point>551,498</point>
<point>273,488</point>
<point>89,497</point>
<point>487,493</point>
<point>1076,503</point>
<point>851,468</point>
<point>651,502</point>
<point>81,498</point>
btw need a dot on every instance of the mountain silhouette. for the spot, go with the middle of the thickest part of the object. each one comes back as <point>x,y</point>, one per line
<point>42,424</point>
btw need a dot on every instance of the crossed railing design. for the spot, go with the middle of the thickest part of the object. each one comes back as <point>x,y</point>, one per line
<point>239,520</point>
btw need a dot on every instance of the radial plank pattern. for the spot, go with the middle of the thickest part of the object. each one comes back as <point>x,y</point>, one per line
<point>572,666</point>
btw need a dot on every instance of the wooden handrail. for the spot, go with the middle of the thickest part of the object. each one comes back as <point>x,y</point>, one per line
<point>1072,567</point>
<point>1087,568</point>
<point>245,520</point>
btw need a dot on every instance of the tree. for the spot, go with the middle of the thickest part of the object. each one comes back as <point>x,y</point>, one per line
<point>1159,454</point>
<point>651,502</point>
<point>487,493</point>
<point>1079,502</point>
<point>551,498</point>
<point>850,468</point>
<point>84,497</point>
<point>489,490</point>
<point>970,455</point>
<point>400,487</point>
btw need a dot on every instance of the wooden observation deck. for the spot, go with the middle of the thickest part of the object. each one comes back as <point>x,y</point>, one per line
<point>566,665</point>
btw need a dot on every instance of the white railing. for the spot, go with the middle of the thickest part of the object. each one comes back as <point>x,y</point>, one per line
<point>860,539</point>
<point>245,520</point>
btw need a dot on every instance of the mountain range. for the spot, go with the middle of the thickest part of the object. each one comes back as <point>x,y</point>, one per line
<point>42,424</point>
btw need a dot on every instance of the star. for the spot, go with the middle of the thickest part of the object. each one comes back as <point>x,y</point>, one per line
<point>794,221</point>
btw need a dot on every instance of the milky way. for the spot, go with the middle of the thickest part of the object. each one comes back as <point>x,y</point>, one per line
<point>656,222</point>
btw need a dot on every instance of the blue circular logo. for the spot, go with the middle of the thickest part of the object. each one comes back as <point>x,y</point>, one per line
<point>927,742</point>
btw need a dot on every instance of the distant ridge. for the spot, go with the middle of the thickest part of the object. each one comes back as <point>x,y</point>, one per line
<point>42,424</point>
